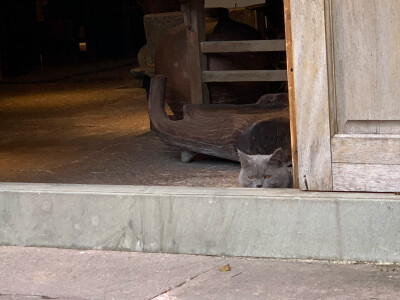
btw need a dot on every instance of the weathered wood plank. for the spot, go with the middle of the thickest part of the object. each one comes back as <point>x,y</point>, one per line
<point>373,126</point>
<point>243,46</point>
<point>244,75</point>
<point>366,149</point>
<point>366,152</point>
<point>195,21</point>
<point>330,58</point>
<point>311,94</point>
<point>291,90</point>
<point>366,177</point>
<point>366,54</point>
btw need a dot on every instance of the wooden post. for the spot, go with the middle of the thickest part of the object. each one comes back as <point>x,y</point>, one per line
<point>291,88</point>
<point>195,22</point>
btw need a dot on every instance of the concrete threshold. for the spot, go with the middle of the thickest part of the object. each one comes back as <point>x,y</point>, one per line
<point>273,223</point>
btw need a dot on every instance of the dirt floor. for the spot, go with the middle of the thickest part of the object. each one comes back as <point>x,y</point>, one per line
<point>92,128</point>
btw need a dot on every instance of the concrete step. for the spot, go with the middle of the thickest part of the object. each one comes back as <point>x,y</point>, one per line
<point>276,223</point>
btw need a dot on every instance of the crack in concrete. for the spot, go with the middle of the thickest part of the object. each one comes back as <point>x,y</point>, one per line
<point>181,284</point>
<point>6,296</point>
<point>121,241</point>
<point>29,296</point>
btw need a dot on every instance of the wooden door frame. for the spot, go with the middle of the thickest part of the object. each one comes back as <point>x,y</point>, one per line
<point>291,90</point>
<point>328,160</point>
<point>309,67</point>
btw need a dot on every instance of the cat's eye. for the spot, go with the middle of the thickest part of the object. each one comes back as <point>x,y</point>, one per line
<point>267,176</point>
<point>251,177</point>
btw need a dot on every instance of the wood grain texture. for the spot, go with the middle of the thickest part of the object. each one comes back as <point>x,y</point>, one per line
<point>243,46</point>
<point>366,53</point>
<point>372,126</point>
<point>195,20</point>
<point>366,149</point>
<point>244,75</point>
<point>291,90</point>
<point>366,177</point>
<point>365,45</point>
<point>311,94</point>
<point>219,129</point>
<point>330,58</point>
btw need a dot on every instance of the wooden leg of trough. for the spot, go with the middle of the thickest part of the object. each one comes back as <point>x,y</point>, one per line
<point>187,156</point>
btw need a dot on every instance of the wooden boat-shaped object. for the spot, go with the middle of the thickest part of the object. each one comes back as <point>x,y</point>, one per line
<point>220,129</point>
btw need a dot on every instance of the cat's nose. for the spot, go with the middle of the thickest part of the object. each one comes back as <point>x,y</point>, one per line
<point>259,185</point>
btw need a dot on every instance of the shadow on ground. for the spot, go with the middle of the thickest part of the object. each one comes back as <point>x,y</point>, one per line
<point>93,128</point>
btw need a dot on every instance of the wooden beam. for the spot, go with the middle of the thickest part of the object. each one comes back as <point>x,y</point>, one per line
<point>244,75</point>
<point>366,149</point>
<point>291,90</point>
<point>195,21</point>
<point>243,46</point>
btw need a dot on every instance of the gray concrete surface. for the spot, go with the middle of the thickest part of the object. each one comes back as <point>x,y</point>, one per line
<point>92,128</point>
<point>280,223</point>
<point>42,273</point>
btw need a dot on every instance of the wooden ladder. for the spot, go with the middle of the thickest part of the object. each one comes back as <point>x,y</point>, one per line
<point>198,47</point>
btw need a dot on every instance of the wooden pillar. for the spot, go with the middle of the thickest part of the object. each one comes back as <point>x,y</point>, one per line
<point>291,88</point>
<point>195,23</point>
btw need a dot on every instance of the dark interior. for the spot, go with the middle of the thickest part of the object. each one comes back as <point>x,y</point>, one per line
<point>70,109</point>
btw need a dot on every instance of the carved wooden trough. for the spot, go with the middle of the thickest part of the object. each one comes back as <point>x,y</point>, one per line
<point>220,129</point>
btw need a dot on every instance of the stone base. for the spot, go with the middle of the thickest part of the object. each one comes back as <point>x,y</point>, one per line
<point>280,223</point>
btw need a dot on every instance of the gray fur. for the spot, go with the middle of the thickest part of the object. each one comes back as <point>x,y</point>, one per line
<point>255,169</point>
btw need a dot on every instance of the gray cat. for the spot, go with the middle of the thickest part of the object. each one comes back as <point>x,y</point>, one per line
<point>264,171</point>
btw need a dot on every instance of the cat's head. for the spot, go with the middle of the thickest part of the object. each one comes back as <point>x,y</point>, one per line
<point>264,171</point>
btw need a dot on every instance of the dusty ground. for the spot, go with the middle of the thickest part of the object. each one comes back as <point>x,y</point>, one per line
<point>92,128</point>
<point>42,273</point>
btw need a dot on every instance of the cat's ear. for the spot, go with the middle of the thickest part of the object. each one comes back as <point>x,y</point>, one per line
<point>277,157</point>
<point>243,157</point>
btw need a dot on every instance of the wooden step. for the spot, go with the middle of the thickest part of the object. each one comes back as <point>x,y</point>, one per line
<point>243,46</point>
<point>244,75</point>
